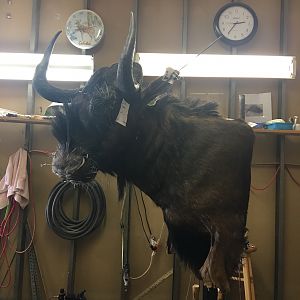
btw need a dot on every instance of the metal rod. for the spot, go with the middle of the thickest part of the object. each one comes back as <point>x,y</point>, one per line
<point>279,222</point>
<point>19,268</point>
<point>125,231</point>
<point>184,45</point>
<point>73,247</point>
<point>201,52</point>
<point>232,93</point>
<point>125,221</point>
<point>280,188</point>
<point>87,4</point>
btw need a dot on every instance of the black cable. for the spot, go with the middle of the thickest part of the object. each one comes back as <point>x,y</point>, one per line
<point>68,228</point>
<point>138,207</point>
<point>146,214</point>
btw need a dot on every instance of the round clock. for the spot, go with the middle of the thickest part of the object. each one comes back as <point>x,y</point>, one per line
<point>235,23</point>
<point>84,29</point>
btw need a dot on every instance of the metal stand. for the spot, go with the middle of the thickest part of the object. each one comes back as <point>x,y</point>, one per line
<point>125,229</point>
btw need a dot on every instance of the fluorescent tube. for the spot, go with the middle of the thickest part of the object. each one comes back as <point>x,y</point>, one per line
<point>213,65</point>
<point>62,67</point>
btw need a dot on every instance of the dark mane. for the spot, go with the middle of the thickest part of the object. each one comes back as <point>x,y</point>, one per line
<point>196,107</point>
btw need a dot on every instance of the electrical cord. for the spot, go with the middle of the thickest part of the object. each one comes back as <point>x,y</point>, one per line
<point>69,228</point>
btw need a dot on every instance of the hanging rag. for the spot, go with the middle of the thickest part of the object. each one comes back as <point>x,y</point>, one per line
<point>14,185</point>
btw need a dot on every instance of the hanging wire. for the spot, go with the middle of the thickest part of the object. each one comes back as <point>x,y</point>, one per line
<point>151,257</point>
<point>145,213</point>
<point>292,176</point>
<point>33,210</point>
<point>140,215</point>
<point>268,184</point>
<point>196,56</point>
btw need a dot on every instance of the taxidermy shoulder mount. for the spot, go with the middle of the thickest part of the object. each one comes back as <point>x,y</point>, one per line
<point>190,161</point>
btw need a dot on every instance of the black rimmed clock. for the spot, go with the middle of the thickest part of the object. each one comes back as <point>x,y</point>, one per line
<point>235,23</point>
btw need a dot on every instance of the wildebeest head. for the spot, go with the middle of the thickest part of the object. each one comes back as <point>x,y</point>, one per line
<point>100,99</point>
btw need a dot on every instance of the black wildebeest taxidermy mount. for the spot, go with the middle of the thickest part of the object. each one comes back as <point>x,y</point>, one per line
<point>194,164</point>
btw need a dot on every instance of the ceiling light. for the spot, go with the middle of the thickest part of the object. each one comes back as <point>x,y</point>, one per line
<point>62,67</point>
<point>213,65</point>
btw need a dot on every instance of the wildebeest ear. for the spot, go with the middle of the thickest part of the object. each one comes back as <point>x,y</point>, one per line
<point>138,73</point>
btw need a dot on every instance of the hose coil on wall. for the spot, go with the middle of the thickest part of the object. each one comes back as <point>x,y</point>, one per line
<point>70,228</point>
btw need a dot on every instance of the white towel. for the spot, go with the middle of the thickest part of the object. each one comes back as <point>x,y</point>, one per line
<point>14,185</point>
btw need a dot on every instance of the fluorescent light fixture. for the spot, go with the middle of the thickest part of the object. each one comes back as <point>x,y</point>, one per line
<point>62,67</point>
<point>226,66</point>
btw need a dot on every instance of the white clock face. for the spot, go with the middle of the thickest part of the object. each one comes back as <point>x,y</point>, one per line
<point>236,23</point>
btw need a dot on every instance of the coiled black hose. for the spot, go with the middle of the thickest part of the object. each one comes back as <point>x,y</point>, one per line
<point>69,228</point>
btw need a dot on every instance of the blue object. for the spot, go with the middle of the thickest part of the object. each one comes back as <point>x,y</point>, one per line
<point>280,126</point>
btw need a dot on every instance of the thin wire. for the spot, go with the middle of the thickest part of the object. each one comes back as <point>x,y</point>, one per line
<point>292,177</point>
<point>152,255</point>
<point>41,152</point>
<point>138,207</point>
<point>145,213</point>
<point>147,270</point>
<point>6,260</point>
<point>33,211</point>
<point>201,52</point>
<point>268,184</point>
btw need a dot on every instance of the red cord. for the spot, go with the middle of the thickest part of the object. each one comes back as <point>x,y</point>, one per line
<point>268,184</point>
<point>6,229</point>
<point>33,209</point>
<point>42,152</point>
<point>16,222</point>
<point>3,234</point>
<point>4,247</point>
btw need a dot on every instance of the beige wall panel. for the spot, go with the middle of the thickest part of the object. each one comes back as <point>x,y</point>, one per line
<point>292,225</point>
<point>53,17</point>
<point>115,16</point>
<point>160,26</point>
<point>12,97</point>
<point>266,40</point>
<point>292,191</point>
<point>15,32</point>
<point>201,31</point>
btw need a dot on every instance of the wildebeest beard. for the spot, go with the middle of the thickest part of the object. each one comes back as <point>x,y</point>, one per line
<point>191,162</point>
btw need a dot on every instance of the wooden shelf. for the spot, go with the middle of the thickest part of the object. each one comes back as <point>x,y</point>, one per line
<point>277,132</point>
<point>29,120</point>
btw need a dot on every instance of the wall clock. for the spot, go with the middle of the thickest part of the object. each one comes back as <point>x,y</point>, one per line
<point>84,29</point>
<point>236,23</point>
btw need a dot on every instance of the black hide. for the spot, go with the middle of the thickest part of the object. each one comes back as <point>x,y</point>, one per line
<point>191,162</point>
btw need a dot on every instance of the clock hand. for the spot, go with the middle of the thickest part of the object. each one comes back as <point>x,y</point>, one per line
<point>239,22</point>
<point>234,24</point>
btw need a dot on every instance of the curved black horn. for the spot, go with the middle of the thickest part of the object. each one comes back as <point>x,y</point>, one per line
<point>41,84</point>
<point>125,80</point>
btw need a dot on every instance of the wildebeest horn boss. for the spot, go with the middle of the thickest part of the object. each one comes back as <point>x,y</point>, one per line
<point>190,161</point>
